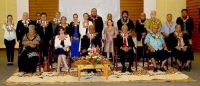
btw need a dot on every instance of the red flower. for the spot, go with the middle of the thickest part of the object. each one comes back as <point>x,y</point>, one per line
<point>92,60</point>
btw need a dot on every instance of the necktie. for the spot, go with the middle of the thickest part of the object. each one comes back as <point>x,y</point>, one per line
<point>125,41</point>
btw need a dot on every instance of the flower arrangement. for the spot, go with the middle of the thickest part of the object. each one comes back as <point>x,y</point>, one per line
<point>93,58</point>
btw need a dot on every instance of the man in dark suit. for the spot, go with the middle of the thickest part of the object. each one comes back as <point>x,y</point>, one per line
<point>125,20</point>
<point>22,28</point>
<point>89,40</point>
<point>186,22</point>
<point>125,48</point>
<point>44,29</point>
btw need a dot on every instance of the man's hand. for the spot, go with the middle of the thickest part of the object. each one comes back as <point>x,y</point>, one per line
<point>178,48</point>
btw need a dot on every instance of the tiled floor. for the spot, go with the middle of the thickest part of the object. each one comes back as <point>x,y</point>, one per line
<point>7,71</point>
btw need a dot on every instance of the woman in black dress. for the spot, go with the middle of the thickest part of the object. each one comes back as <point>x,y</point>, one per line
<point>29,56</point>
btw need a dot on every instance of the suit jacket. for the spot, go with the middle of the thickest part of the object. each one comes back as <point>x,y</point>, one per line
<point>85,42</point>
<point>189,25</point>
<point>140,29</point>
<point>120,42</point>
<point>22,29</point>
<point>46,34</point>
<point>130,24</point>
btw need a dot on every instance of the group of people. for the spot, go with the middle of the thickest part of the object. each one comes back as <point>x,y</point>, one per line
<point>123,37</point>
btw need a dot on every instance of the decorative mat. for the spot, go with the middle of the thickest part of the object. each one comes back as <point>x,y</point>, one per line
<point>171,75</point>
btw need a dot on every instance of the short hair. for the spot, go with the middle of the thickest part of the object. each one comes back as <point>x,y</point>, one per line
<point>169,14</point>
<point>154,25</point>
<point>184,10</point>
<point>75,14</point>
<point>177,25</point>
<point>125,11</point>
<point>85,14</point>
<point>31,26</point>
<point>43,14</point>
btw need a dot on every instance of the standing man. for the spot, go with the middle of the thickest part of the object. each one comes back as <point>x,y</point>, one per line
<point>22,28</point>
<point>153,20</point>
<point>125,20</point>
<point>168,26</point>
<point>186,23</point>
<point>56,21</point>
<point>44,29</point>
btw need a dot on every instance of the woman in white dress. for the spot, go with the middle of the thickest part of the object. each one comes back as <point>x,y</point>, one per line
<point>62,44</point>
<point>83,27</point>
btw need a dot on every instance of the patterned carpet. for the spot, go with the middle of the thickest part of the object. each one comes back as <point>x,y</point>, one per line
<point>171,75</point>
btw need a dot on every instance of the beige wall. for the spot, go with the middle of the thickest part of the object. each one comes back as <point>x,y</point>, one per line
<point>6,7</point>
<point>162,6</point>
<point>174,7</point>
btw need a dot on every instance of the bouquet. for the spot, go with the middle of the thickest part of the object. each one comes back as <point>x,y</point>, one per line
<point>93,58</point>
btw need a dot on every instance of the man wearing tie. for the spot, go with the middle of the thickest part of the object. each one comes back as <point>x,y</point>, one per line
<point>125,48</point>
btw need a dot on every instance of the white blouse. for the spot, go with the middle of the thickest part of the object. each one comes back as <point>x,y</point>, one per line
<point>57,43</point>
<point>10,31</point>
<point>82,29</point>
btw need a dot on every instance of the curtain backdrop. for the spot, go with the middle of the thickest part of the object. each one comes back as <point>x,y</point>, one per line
<point>69,7</point>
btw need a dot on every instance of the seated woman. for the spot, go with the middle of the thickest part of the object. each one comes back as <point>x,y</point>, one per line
<point>125,47</point>
<point>181,48</point>
<point>62,44</point>
<point>157,47</point>
<point>29,56</point>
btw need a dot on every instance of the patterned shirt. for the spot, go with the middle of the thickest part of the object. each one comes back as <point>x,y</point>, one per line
<point>155,40</point>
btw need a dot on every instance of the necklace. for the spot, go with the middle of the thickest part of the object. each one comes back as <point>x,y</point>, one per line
<point>125,22</point>
<point>185,20</point>
<point>155,36</point>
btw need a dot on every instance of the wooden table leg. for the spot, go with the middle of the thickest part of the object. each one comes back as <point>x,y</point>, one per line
<point>106,72</point>
<point>79,74</point>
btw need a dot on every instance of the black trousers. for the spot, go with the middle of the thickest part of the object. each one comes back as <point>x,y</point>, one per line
<point>130,57</point>
<point>10,45</point>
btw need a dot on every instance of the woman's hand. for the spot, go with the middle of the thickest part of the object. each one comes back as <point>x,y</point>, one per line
<point>32,45</point>
<point>185,48</point>
<point>152,50</point>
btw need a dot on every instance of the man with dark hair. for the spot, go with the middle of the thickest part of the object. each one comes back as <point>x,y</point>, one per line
<point>44,29</point>
<point>38,19</point>
<point>186,23</point>
<point>125,20</point>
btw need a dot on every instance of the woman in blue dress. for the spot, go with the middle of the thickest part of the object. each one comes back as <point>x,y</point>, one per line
<point>75,36</point>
